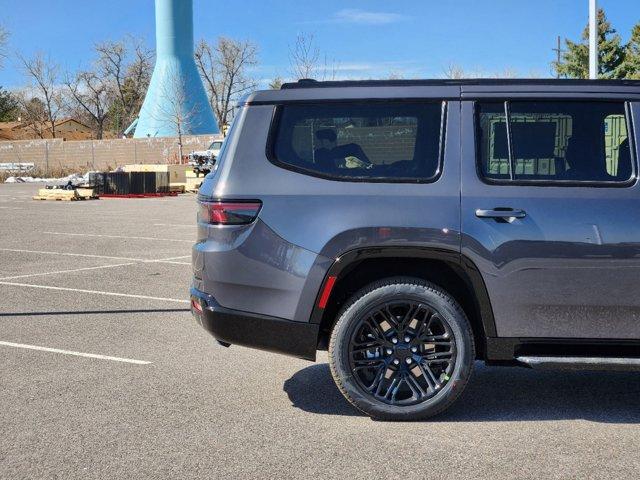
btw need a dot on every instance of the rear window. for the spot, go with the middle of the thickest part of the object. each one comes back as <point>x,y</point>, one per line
<point>375,142</point>
<point>552,141</point>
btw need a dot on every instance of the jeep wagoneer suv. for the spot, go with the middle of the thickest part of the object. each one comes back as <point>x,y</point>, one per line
<point>412,227</point>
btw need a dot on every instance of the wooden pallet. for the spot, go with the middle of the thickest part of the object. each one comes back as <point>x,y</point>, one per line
<point>86,193</point>
<point>56,198</point>
<point>60,195</point>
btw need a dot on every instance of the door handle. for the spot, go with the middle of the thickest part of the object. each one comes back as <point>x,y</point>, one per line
<point>498,213</point>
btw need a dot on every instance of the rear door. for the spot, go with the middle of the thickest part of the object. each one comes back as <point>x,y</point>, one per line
<point>551,214</point>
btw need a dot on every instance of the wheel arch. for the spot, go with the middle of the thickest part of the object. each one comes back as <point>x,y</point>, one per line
<point>448,269</point>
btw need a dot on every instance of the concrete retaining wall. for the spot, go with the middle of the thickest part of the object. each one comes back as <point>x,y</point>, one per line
<point>99,154</point>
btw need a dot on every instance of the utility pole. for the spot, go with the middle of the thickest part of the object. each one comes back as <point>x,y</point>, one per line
<point>558,51</point>
<point>593,39</point>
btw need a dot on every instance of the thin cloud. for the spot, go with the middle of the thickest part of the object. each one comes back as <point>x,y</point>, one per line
<point>378,67</point>
<point>364,17</point>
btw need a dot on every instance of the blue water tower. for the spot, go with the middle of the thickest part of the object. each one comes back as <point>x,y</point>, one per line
<point>176,99</point>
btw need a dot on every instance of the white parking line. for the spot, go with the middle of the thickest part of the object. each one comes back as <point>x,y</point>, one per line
<point>66,271</point>
<point>141,260</point>
<point>171,258</point>
<point>174,225</point>
<point>77,354</point>
<point>96,292</point>
<point>118,236</point>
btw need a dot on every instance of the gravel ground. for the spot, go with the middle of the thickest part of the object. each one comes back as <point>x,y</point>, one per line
<point>191,409</point>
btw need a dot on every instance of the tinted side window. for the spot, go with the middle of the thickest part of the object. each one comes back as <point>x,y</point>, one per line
<point>383,141</point>
<point>554,141</point>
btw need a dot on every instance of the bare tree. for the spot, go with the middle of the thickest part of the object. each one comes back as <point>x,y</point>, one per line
<point>4,39</point>
<point>111,64</point>
<point>395,75</point>
<point>33,113</point>
<point>305,60</point>
<point>329,69</point>
<point>304,57</point>
<point>224,70</point>
<point>139,75</point>
<point>91,93</point>
<point>507,72</point>
<point>44,75</point>
<point>454,72</point>
<point>126,65</point>
<point>174,112</point>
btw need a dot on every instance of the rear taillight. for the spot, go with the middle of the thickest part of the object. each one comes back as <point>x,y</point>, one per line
<point>196,306</point>
<point>229,213</point>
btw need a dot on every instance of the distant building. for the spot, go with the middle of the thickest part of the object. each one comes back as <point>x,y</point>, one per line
<point>10,130</point>
<point>66,129</point>
<point>71,129</point>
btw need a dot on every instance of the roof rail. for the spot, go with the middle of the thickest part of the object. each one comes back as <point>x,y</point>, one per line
<point>312,83</point>
<point>301,83</point>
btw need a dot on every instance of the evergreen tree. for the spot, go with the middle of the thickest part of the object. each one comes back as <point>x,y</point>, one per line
<point>631,64</point>
<point>276,83</point>
<point>611,53</point>
<point>8,106</point>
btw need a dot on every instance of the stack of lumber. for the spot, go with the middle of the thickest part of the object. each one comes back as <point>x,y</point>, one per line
<point>60,194</point>
<point>192,183</point>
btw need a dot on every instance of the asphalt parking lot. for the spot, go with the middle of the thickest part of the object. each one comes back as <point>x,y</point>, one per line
<point>103,374</point>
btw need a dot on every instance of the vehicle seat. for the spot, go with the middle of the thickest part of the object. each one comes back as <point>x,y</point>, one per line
<point>624,161</point>
<point>583,165</point>
<point>333,158</point>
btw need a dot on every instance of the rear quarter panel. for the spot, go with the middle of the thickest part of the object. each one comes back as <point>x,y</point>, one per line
<point>326,218</point>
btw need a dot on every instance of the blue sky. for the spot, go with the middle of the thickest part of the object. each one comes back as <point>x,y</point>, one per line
<point>366,38</point>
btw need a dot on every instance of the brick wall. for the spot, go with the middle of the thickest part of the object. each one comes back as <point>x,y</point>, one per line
<point>99,154</point>
<point>382,145</point>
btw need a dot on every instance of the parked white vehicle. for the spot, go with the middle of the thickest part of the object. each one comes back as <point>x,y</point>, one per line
<point>203,160</point>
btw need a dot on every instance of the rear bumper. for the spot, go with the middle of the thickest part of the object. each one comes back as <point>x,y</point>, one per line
<point>235,327</point>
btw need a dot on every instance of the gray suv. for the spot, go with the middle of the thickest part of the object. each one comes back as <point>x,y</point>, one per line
<point>412,227</point>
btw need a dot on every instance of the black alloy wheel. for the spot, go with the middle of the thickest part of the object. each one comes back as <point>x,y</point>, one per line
<point>402,352</point>
<point>402,349</point>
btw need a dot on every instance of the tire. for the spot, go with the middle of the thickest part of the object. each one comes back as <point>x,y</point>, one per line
<point>428,327</point>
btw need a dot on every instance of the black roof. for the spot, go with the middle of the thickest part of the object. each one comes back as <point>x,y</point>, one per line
<point>311,83</point>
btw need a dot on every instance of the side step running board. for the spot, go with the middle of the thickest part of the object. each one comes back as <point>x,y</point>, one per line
<point>581,363</point>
